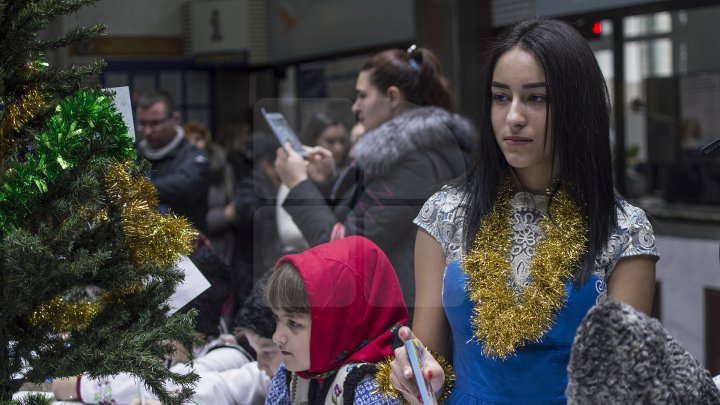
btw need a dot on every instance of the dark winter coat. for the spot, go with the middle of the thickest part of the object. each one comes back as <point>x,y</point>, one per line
<point>398,166</point>
<point>257,244</point>
<point>181,179</point>
<point>221,192</point>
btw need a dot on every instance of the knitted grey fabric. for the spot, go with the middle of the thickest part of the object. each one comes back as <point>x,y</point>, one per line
<point>622,356</point>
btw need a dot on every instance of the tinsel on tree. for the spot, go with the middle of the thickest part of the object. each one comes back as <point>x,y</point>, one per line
<point>86,262</point>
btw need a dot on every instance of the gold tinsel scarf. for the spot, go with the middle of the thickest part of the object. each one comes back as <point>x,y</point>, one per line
<point>502,319</point>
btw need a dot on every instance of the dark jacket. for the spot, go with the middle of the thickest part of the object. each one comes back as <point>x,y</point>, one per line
<point>257,244</point>
<point>398,166</point>
<point>181,179</point>
<point>221,192</point>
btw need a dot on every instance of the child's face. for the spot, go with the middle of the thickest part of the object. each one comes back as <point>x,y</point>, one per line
<point>268,354</point>
<point>292,335</point>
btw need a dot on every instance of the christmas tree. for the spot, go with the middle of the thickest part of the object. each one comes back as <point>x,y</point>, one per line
<point>86,262</point>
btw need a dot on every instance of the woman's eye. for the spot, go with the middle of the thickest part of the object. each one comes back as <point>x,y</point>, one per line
<point>538,98</point>
<point>500,98</point>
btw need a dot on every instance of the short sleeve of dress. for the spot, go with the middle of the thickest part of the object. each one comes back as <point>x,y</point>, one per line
<point>442,217</point>
<point>634,237</point>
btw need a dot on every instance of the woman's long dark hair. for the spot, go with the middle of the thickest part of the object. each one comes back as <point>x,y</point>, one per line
<point>579,118</point>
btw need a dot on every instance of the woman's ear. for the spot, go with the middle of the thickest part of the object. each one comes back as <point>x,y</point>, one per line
<point>395,96</point>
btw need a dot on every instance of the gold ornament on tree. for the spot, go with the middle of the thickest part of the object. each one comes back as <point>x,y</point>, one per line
<point>16,115</point>
<point>65,315</point>
<point>151,236</point>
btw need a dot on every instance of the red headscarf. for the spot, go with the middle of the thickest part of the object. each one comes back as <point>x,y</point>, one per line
<point>355,303</point>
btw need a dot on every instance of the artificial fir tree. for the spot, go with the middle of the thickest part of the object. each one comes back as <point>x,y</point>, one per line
<point>86,262</point>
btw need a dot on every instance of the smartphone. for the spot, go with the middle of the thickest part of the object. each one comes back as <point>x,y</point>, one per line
<point>415,354</point>
<point>283,131</point>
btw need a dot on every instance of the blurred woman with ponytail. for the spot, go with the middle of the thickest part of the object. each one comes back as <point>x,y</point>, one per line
<point>413,144</point>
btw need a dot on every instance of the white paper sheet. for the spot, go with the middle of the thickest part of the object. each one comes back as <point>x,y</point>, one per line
<point>123,104</point>
<point>193,285</point>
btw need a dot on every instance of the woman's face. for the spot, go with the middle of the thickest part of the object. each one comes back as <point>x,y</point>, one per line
<point>371,106</point>
<point>196,139</point>
<point>518,112</point>
<point>335,139</point>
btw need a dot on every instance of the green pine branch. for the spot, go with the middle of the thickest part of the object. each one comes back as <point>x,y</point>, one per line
<point>60,235</point>
<point>74,35</point>
<point>63,82</point>
<point>36,15</point>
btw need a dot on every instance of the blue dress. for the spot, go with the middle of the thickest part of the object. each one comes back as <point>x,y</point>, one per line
<point>535,373</point>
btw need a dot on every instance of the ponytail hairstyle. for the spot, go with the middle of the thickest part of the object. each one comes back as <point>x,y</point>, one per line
<point>579,118</point>
<point>416,72</point>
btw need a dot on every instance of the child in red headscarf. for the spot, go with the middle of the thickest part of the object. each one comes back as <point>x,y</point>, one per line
<point>337,307</point>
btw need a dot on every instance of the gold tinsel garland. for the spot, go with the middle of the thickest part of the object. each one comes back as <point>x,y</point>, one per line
<point>152,237</point>
<point>63,315</point>
<point>382,379</point>
<point>17,115</point>
<point>504,320</point>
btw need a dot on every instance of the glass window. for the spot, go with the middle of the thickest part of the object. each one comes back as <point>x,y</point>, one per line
<point>650,24</point>
<point>672,109</point>
<point>648,58</point>
<point>189,88</point>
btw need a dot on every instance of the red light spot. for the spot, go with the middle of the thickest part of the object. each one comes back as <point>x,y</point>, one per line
<point>597,28</point>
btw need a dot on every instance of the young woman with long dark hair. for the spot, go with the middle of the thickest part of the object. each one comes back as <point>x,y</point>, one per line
<point>509,259</point>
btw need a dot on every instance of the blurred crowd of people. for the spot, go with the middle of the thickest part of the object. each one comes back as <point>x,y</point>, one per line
<point>419,208</point>
<point>253,200</point>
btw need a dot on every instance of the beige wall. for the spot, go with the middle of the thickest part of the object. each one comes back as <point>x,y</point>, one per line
<point>132,17</point>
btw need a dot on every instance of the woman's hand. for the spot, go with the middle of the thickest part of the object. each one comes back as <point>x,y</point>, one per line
<point>321,164</point>
<point>290,166</point>
<point>402,376</point>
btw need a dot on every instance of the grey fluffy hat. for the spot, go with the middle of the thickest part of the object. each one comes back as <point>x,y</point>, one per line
<point>622,356</point>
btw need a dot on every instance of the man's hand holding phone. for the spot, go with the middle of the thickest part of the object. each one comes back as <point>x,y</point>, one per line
<point>420,383</point>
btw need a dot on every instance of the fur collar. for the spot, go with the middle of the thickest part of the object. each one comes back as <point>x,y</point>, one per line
<point>420,128</point>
